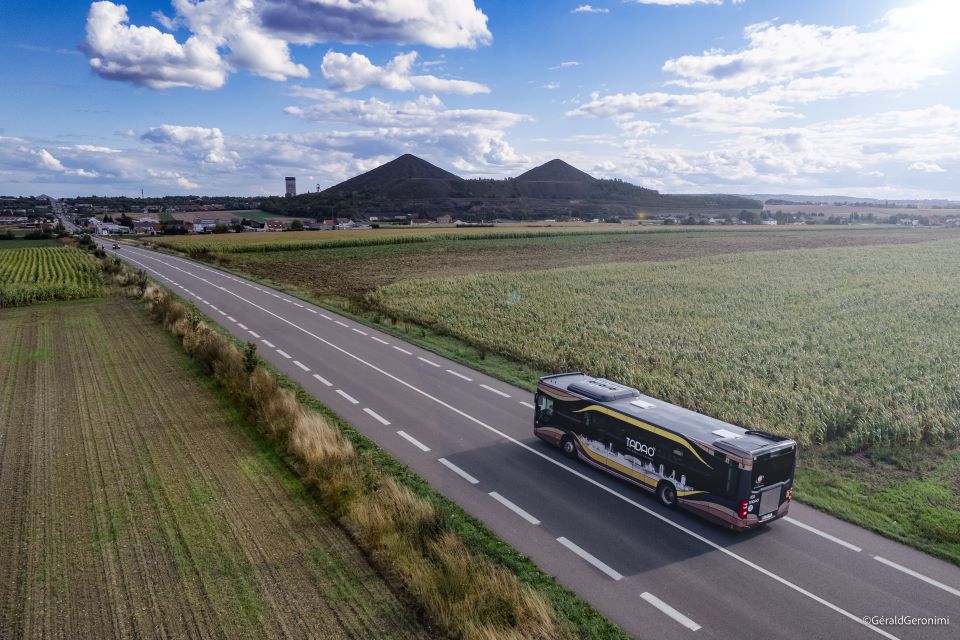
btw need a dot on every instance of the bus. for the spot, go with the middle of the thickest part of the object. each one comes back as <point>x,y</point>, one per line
<point>736,477</point>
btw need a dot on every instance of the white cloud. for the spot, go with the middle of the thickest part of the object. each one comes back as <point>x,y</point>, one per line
<point>565,65</point>
<point>256,35</point>
<point>47,161</point>
<point>95,149</point>
<point>707,110</point>
<point>803,62</point>
<point>355,72</point>
<point>550,85</point>
<point>147,56</point>
<point>586,8</point>
<point>473,138</point>
<point>199,143</point>
<point>442,24</point>
<point>677,2</point>
<point>927,167</point>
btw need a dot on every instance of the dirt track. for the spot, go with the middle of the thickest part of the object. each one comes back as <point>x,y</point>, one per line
<point>134,506</point>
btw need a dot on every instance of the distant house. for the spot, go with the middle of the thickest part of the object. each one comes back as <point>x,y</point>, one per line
<point>421,221</point>
<point>769,222</point>
<point>630,222</point>
<point>144,226</point>
<point>276,225</point>
<point>444,218</point>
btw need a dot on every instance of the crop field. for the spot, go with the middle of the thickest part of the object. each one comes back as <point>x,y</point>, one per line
<point>352,271</point>
<point>298,240</point>
<point>135,506</point>
<point>39,274</point>
<point>853,352</point>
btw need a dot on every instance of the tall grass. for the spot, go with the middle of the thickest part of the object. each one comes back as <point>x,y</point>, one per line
<point>854,346</point>
<point>465,594</point>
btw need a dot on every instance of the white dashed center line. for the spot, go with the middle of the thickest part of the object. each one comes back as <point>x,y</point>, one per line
<point>376,416</point>
<point>517,510</point>
<point>602,566</point>
<point>284,354</point>
<point>459,375</point>
<point>918,576</point>
<point>457,470</point>
<point>379,340</point>
<point>823,534</point>
<point>348,396</point>
<point>363,333</point>
<point>429,362</point>
<point>526,404</point>
<point>269,344</point>
<point>499,393</point>
<point>670,611</point>
<point>243,326</point>
<point>253,333</point>
<point>419,445</point>
<point>301,365</point>
<point>342,324</point>
<point>323,380</point>
<point>409,353</point>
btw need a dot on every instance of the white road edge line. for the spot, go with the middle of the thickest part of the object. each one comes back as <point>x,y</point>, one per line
<point>517,510</point>
<point>376,416</point>
<point>322,380</point>
<point>379,340</point>
<point>457,470</point>
<point>918,576</point>
<point>301,365</point>
<point>269,344</point>
<point>349,397</point>
<point>409,438</point>
<point>429,362</point>
<point>561,464</point>
<point>284,354</point>
<point>409,353</point>
<point>459,375</point>
<point>496,391</point>
<point>824,534</point>
<point>670,611</point>
<point>599,564</point>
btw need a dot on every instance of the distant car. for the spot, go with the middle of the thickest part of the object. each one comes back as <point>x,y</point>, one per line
<point>116,246</point>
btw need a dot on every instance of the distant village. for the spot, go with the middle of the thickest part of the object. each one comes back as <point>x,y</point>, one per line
<point>45,214</point>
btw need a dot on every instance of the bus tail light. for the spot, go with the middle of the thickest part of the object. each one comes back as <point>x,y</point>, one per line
<point>789,494</point>
<point>744,504</point>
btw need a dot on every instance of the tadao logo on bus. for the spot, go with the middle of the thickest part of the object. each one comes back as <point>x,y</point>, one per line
<point>639,447</point>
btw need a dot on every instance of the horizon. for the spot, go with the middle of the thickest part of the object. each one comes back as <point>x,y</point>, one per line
<point>681,96</point>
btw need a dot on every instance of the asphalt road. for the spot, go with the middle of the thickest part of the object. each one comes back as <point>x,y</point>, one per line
<point>656,572</point>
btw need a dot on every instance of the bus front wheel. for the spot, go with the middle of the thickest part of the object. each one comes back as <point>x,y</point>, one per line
<point>568,447</point>
<point>667,494</point>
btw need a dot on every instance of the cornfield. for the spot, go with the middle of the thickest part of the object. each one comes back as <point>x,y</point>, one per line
<point>855,346</point>
<point>41,274</point>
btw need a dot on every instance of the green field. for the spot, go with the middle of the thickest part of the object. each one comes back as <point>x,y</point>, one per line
<point>841,338</point>
<point>38,274</point>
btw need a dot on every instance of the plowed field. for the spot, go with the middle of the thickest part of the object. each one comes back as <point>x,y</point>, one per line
<point>135,506</point>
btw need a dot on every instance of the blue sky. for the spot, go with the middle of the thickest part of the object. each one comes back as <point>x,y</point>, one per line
<point>229,96</point>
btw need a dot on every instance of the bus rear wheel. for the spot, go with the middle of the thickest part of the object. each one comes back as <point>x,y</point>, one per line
<point>667,494</point>
<point>568,447</point>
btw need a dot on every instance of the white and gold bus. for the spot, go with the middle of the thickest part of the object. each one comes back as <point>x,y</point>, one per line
<point>734,476</point>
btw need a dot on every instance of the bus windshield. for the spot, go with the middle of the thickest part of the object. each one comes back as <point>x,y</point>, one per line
<point>774,467</point>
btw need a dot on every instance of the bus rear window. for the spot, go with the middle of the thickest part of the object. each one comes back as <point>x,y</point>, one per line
<point>773,468</point>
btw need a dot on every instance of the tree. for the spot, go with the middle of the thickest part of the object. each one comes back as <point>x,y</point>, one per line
<point>220,228</point>
<point>296,225</point>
